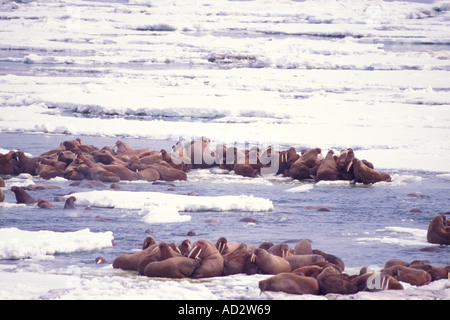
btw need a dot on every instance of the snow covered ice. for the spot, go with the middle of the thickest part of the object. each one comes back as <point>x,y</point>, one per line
<point>370,75</point>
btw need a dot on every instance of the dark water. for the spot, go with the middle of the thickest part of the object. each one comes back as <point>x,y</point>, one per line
<point>355,211</point>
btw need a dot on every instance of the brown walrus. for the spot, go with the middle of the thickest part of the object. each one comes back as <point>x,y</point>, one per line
<point>269,263</point>
<point>130,261</point>
<point>184,247</point>
<point>290,283</point>
<point>309,271</point>
<point>367,175</point>
<point>224,246</point>
<point>211,259</point>
<point>280,249</point>
<point>2,195</point>
<point>436,273</point>
<point>2,183</point>
<point>331,259</point>
<point>22,196</point>
<point>70,203</point>
<point>439,231</point>
<point>47,171</point>
<point>376,281</point>
<point>297,261</point>
<point>175,268</point>
<point>121,171</point>
<point>9,163</point>
<point>306,165</point>
<point>99,173</point>
<point>328,170</point>
<point>238,261</point>
<point>44,204</point>
<point>332,281</point>
<point>344,164</point>
<point>167,173</point>
<point>412,276</point>
<point>303,247</point>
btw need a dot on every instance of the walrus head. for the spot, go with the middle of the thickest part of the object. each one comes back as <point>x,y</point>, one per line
<point>221,244</point>
<point>197,249</point>
<point>148,241</point>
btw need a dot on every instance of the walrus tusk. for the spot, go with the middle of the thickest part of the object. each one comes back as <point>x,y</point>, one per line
<point>349,165</point>
<point>253,258</point>
<point>386,287</point>
<point>193,249</point>
<point>177,250</point>
<point>190,252</point>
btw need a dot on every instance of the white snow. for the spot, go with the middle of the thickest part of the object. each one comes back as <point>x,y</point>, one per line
<point>22,244</point>
<point>158,207</point>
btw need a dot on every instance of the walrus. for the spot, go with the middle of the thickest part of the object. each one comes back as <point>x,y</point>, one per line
<point>224,246</point>
<point>60,166</point>
<point>265,245</point>
<point>2,183</point>
<point>47,171</point>
<point>167,173</point>
<point>376,281</point>
<point>344,164</point>
<point>280,249</point>
<point>306,165</point>
<point>44,204</point>
<point>297,261</point>
<point>286,159</point>
<point>70,203</point>
<point>164,251</point>
<point>436,273</point>
<point>332,281</point>
<point>412,276</point>
<point>367,175</point>
<point>180,162</point>
<point>184,247</point>
<point>148,174</point>
<point>121,171</point>
<point>131,261</point>
<point>290,283</point>
<point>331,259</point>
<point>2,195</point>
<point>148,241</point>
<point>9,163</point>
<point>76,170</point>
<point>328,170</point>
<point>269,263</point>
<point>22,196</point>
<point>27,164</point>
<point>438,232</point>
<point>395,262</point>
<point>175,268</point>
<point>245,170</point>
<point>200,153</point>
<point>99,173</point>
<point>303,247</point>
<point>308,271</point>
<point>211,259</point>
<point>238,261</point>
<point>76,146</point>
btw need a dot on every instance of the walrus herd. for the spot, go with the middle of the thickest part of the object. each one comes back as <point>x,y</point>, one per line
<point>74,160</point>
<point>298,270</point>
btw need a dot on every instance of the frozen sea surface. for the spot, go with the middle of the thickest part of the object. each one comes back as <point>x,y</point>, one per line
<point>370,75</point>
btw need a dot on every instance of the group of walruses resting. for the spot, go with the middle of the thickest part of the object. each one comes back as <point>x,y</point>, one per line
<point>74,160</point>
<point>301,270</point>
